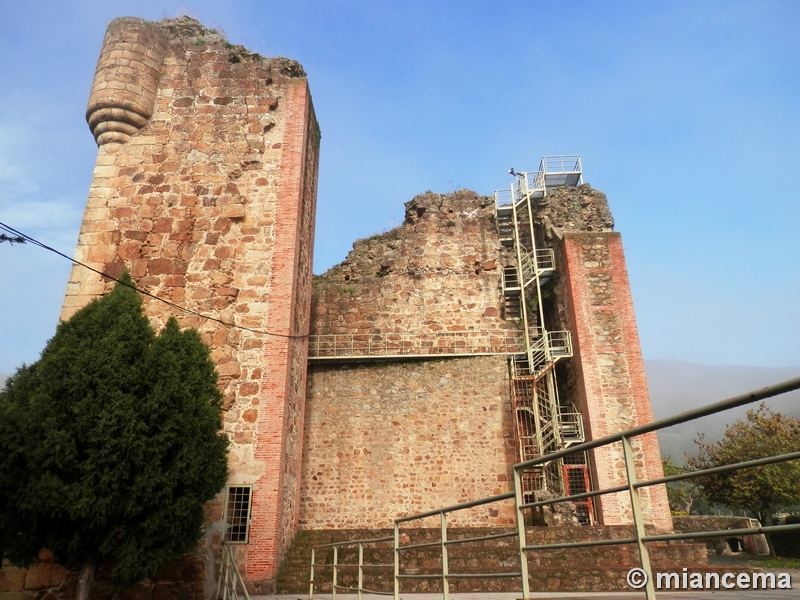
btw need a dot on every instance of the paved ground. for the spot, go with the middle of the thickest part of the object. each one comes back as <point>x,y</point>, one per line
<point>792,594</point>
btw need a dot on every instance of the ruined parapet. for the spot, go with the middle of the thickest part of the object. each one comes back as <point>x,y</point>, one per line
<point>579,208</point>
<point>205,190</point>
<point>440,271</point>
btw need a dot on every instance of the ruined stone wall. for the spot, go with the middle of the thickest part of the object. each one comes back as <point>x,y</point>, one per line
<point>204,188</point>
<point>437,273</point>
<point>392,438</point>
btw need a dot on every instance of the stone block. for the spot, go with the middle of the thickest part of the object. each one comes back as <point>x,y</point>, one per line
<point>44,575</point>
<point>12,579</point>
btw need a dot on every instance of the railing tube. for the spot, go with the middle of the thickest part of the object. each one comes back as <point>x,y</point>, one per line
<point>638,517</point>
<point>335,565</point>
<point>360,568</point>
<point>520,514</point>
<point>311,583</point>
<point>445,566</point>
<point>396,561</point>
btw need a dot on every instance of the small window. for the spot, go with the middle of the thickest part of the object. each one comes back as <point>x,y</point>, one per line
<point>236,522</point>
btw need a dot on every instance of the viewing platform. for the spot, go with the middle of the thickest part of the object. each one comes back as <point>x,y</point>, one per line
<point>554,171</point>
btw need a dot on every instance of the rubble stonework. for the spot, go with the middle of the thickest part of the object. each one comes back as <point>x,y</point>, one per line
<point>579,208</point>
<point>439,272</point>
<point>395,439</point>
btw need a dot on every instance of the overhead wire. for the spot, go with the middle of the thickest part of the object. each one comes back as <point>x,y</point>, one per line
<point>27,238</point>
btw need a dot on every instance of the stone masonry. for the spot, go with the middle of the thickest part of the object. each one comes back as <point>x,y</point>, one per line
<point>205,189</point>
<point>386,439</point>
<point>440,271</point>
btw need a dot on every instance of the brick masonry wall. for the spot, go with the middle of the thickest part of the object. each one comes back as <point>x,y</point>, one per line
<point>204,189</point>
<point>607,369</point>
<point>394,439</point>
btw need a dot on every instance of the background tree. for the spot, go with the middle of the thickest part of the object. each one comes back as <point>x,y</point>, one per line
<point>762,490</point>
<point>683,495</point>
<point>110,444</point>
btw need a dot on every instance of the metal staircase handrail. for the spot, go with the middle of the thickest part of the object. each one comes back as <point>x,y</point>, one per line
<point>541,260</point>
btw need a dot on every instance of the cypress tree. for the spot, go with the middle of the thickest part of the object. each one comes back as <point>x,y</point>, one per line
<point>110,444</point>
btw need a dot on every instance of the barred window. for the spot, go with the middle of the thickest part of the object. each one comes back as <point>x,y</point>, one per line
<point>236,522</point>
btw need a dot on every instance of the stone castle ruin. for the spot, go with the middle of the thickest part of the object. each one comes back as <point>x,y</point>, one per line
<point>479,333</point>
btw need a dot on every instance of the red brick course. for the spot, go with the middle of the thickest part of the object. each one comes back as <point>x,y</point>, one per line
<point>612,389</point>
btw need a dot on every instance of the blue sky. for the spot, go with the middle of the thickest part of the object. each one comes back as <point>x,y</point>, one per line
<point>685,113</point>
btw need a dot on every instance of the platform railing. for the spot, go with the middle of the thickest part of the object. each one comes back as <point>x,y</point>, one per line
<point>565,163</point>
<point>631,486</point>
<point>503,199</point>
<point>390,345</point>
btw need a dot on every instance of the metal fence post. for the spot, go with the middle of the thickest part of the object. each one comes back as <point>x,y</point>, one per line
<point>445,569</point>
<point>396,561</point>
<point>311,583</point>
<point>335,565</point>
<point>521,536</point>
<point>638,517</point>
<point>360,568</point>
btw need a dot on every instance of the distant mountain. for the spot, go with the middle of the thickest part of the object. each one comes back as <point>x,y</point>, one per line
<point>3,381</point>
<point>677,386</point>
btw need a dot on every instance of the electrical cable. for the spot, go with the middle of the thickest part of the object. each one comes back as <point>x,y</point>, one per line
<point>36,242</point>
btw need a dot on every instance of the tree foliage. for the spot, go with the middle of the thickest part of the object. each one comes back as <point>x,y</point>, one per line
<point>683,495</point>
<point>763,489</point>
<point>110,443</point>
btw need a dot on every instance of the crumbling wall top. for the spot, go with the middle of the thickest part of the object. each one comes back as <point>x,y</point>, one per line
<point>567,209</point>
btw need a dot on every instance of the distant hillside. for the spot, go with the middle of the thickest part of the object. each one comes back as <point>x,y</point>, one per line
<point>3,381</point>
<point>677,386</point>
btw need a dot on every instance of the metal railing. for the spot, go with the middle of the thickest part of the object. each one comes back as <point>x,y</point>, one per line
<point>553,171</point>
<point>631,486</point>
<point>395,345</point>
<point>549,348</point>
<point>541,260</point>
<point>335,566</point>
<point>503,199</point>
<point>564,163</point>
<point>230,580</point>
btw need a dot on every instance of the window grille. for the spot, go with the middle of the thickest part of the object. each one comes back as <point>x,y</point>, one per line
<point>236,522</point>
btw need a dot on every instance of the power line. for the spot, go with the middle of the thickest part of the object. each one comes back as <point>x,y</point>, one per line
<point>18,235</point>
